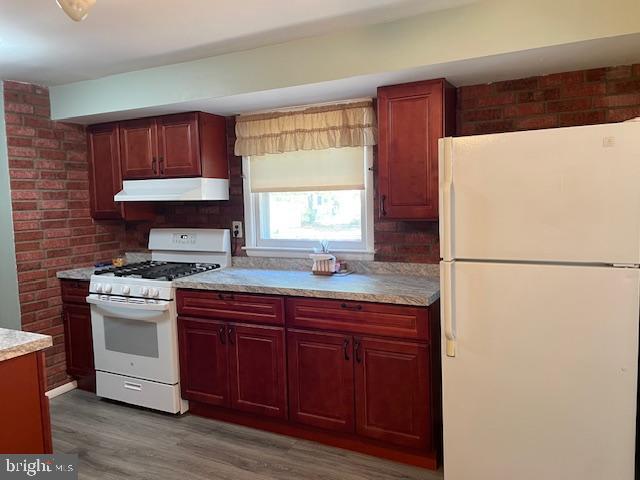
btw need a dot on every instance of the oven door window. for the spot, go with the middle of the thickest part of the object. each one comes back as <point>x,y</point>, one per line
<point>132,337</point>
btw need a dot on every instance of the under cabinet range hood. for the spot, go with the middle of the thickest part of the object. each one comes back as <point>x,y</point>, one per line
<point>173,189</point>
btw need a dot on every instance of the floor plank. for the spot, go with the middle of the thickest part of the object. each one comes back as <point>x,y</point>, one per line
<point>116,441</point>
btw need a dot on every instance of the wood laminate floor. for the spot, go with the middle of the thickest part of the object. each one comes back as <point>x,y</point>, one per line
<point>116,441</point>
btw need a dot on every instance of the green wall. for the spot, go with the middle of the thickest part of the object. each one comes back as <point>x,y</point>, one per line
<point>479,29</point>
<point>9,305</point>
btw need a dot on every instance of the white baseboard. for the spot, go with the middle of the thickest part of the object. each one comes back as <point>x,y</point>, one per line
<point>67,387</point>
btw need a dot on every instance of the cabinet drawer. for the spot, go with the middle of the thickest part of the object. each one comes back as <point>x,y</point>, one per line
<point>359,317</point>
<point>136,391</point>
<point>75,291</point>
<point>232,306</point>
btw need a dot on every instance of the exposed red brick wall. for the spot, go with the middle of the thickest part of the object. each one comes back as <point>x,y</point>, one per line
<point>583,97</point>
<point>51,219</point>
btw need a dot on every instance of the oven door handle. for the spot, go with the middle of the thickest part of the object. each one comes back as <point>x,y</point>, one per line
<point>130,306</point>
<point>128,309</point>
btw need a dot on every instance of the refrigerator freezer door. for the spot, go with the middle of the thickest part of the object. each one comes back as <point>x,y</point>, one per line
<point>543,381</point>
<point>565,194</point>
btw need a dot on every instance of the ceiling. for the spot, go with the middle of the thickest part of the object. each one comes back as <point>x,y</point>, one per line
<point>39,44</point>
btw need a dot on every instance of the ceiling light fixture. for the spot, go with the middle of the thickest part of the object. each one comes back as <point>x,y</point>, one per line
<point>76,9</point>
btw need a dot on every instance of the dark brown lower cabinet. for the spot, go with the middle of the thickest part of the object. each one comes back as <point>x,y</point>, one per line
<point>78,338</point>
<point>78,341</point>
<point>377,388</point>
<point>204,372</point>
<point>321,379</point>
<point>361,376</point>
<point>233,365</point>
<point>257,371</point>
<point>25,426</point>
<point>392,394</point>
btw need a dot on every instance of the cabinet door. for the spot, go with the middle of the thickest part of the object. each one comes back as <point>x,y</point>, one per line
<point>24,415</point>
<point>321,379</point>
<point>257,369</point>
<point>178,145</point>
<point>138,149</point>
<point>104,170</point>
<point>410,121</point>
<point>392,392</point>
<point>203,361</point>
<point>78,339</point>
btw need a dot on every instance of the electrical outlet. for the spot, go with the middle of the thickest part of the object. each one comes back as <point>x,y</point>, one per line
<point>236,227</point>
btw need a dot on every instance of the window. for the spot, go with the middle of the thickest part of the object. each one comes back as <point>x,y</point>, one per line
<point>294,200</point>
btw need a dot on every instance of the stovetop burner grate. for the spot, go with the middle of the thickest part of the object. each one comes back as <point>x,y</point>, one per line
<point>158,270</point>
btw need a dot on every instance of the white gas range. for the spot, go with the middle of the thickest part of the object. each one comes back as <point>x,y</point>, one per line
<point>134,317</point>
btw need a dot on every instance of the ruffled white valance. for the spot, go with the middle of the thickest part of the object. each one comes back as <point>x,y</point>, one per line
<point>315,128</point>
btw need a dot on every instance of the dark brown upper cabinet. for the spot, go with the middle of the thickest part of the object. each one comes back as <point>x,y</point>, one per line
<point>138,147</point>
<point>105,177</point>
<point>411,119</point>
<point>172,146</point>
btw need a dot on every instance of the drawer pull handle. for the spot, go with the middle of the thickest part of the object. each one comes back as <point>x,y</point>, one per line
<point>222,296</point>
<point>133,386</point>
<point>221,333</point>
<point>356,346</point>
<point>230,334</point>
<point>345,347</point>
<point>351,307</point>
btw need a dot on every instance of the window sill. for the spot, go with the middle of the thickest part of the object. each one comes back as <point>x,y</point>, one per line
<point>304,253</point>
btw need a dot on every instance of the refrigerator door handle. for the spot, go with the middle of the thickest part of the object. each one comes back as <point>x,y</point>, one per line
<point>448,314</point>
<point>445,167</point>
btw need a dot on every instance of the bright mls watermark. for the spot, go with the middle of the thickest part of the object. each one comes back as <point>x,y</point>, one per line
<point>51,467</point>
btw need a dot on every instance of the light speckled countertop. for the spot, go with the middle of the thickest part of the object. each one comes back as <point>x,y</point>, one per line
<point>76,274</point>
<point>14,343</point>
<point>398,289</point>
<point>383,282</point>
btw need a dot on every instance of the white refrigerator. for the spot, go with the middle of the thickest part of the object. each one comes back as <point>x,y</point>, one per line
<point>540,247</point>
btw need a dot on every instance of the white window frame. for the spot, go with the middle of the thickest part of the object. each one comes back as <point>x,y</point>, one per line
<point>256,247</point>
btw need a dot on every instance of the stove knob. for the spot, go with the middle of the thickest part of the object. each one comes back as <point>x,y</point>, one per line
<point>126,290</point>
<point>107,288</point>
<point>99,287</point>
<point>154,292</point>
<point>144,291</point>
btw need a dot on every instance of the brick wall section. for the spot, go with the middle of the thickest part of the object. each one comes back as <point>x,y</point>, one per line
<point>582,97</point>
<point>51,219</point>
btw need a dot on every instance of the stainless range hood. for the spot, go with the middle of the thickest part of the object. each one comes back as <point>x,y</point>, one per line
<point>173,189</point>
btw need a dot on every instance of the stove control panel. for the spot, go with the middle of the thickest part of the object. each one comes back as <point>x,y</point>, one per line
<point>118,287</point>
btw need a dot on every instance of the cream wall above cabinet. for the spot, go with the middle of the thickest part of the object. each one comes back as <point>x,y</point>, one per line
<point>339,64</point>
